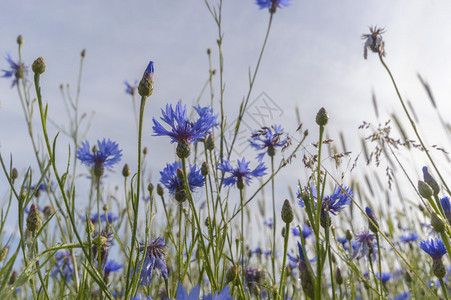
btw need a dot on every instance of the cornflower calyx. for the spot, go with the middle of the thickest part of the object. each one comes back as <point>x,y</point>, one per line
<point>374,41</point>
<point>287,212</point>
<point>38,66</point>
<point>242,174</point>
<point>145,87</point>
<point>322,117</point>
<point>425,190</point>
<point>34,219</point>
<point>427,177</point>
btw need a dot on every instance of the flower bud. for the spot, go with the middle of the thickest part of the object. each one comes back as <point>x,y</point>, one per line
<point>180,174</point>
<point>338,277</point>
<point>287,212</point>
<point>427,177</point>
<point>48,211</point>
<point>210,142</point>
<point>13,276</point>
<point>204,169</point>
<point>106,208</point>
<point>3,253</point>
<point>83,53</point>
<point>34,219</point>
<point>240,184</point>
<point>271,150</point>
<point>208,51</point>
<point>425,190</point>
<point>14,174</point>
<point>150,188</point>
<point>322,117</point>
<point>38,66</point>
<point>231,274</point>
<point>20,40</point>
<point>349,235</point>
<point>374,224</point>
<point>145,151</point>
<point>145,87</point>
<point>183,149</point>
<point>98,170</point>
<point>437,222</point>
<point>180,195</point>
<point>160,190</point>
<point>126,171</point>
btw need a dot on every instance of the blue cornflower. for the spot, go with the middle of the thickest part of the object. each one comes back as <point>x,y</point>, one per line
<point>411,237</point>
<point>306,231</point>
<point>242,174</point>
<point>64,265</point>
<point>272,3</point>
<point>174,184</point>
<point>385,277</point>
<point>112,266</point>
<point>141,297</point>
<point>268,139</point>
<point>367,245</point>
<point>106,155</point>
<point>103,217</point>
<point>434,247</point>
<point>183,131</point>
<point>16,70</point>
<point>154,260</point>
<point>131,89</point>
<point>182,294</point>
<point>223,295</point>
<point>446,205</point>
<point>403,296</point>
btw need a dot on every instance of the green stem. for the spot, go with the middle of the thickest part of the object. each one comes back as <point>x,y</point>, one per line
<point>273,256</point>
<point>443,286</point>
<point>284,261</point>
<point>380,263</point>
<point>329,254</point>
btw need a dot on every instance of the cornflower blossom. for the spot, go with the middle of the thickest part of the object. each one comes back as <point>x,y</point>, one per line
<point>446,205</point>
<point>254,278</point>
<point>106,155</point>
<point>436,249</point>
<point>182,294</point>
<point>223,295</point>
<point>385,277</point>
<point>367,245</point>
<point>130,89</point>
<point>64,265</point>
<point>272,3</point>
<point>268,139</point>
<point>373,41</point>
<point>19,71</point>
<point>242,174</point>
<point>103,217</point>
<point>154,260</point>
<point>411,237</point>
<point>141,297</point>
<point>112,266</point>
<point>182,130</point>
<point>306,231</point>
<point>174,184</point>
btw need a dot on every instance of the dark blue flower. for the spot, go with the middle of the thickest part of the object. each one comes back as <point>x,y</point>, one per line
<point>182,294</point>
<point>411,237</point>
<point>272,3</point>
<point>103,217</point>
<point>446,205</point>
<point>223,295</point>
<point>174,184</point>
<point>131,89</point>
<point>154,260</point>
<point>367,245</point>
<point>112,266</point>
<point>434,247</point>
<point>15,70</point>
<point>385,277</point>
<point>306,231</point>
<point>268,139</point>
<point>242,173</point>
<point>107,154</point>
<point>181,128</point>
<point>64,265</point>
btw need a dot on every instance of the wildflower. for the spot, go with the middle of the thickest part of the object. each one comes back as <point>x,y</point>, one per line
<point>403,296</point>
<point>254,278</point>
<point>182,294</point>
<point>103,217</point>
<point>175,185</point>
<point>436,249</point>
<point>104,242</point>
<point>322,117</point>
<point>427,177</point>
<point>38,66</point>
<point>373,224</point>
<point>411,237</point>
<point>272,4</point>
<point>109,267</point>
<point>154,260</point>
<point>145,87</point>
<point>446,205</point>
<point>374,41</point>
<point>306,274</point>
<point>306,231</point>
<point>106,155</point>
<point>64,266</point>
<point>242,174</point>
<point>287,212</point>
<point>268,139</point>
<point>366,245</point>
<point>131,89</point>
<point>385,277</point>
<point>183,131</point>
<point>223,295</point>
<point>19,71</point>
<point>34,219</point>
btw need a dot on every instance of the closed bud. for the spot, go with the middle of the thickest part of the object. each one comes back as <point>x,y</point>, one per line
<point>322,117</point>
<point>3,253</point>
<point>38,66</point>
<point>160,190</point>
<point>13,277</point>
<point>34,219</point>
<point>14,174</point>
<point>145,87</point>
<point>287,212</point>
<point>255,290</point>
<point>106,208</point>
<point>210,142</point>
<point>407,277</point>
<point>231,274</point>
<point>83,53</point>
<point>183,149</point>
<point>425,190</point>
<point>427,177</point>
<point>180,174</point>
<point>145,150</point>
<point>437,222</point>
<point>271,150</point>
<point>48,211</point>
<point>338,277</point>
<point>150,188</point>
<point>208,51</point>
<point>20,40</point>
<point>204,169</point>
<point>373,224</point>
<point>438,268</point>
<point>349,235</point>
<point>126,171</point>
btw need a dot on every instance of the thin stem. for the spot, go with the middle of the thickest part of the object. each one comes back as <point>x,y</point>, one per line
<point>285,251</point>
<point>380,263</point>
<point>273,252</point>
<point>331,269</point>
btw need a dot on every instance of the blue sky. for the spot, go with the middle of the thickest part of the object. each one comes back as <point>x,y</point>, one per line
<point>314,58</point>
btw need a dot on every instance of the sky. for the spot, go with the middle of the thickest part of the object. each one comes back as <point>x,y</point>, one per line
<point>313,59</point>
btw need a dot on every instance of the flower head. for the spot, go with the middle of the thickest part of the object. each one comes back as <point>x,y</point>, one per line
<point>272,4</point>
<point>268,139</point>
<point>374,41</point>
<point>367,245</point>
<point>385,277</point>
<point>183,129</point>
<point>174,184</point>
<point>306,231</point>
<point>19,71</point>
<point>64,265</point>
<point>106,154</point>
<point>154,260</point>
<point>411,237</point>
<point>131,89</point>
<point>446,205</point>
<point>112,266</point>
<point>103,217</point>
<point>434,247</point>
<point>223,295</point>
<point>182,294</point>
<point>242,174</point>
<point>145,86</point>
